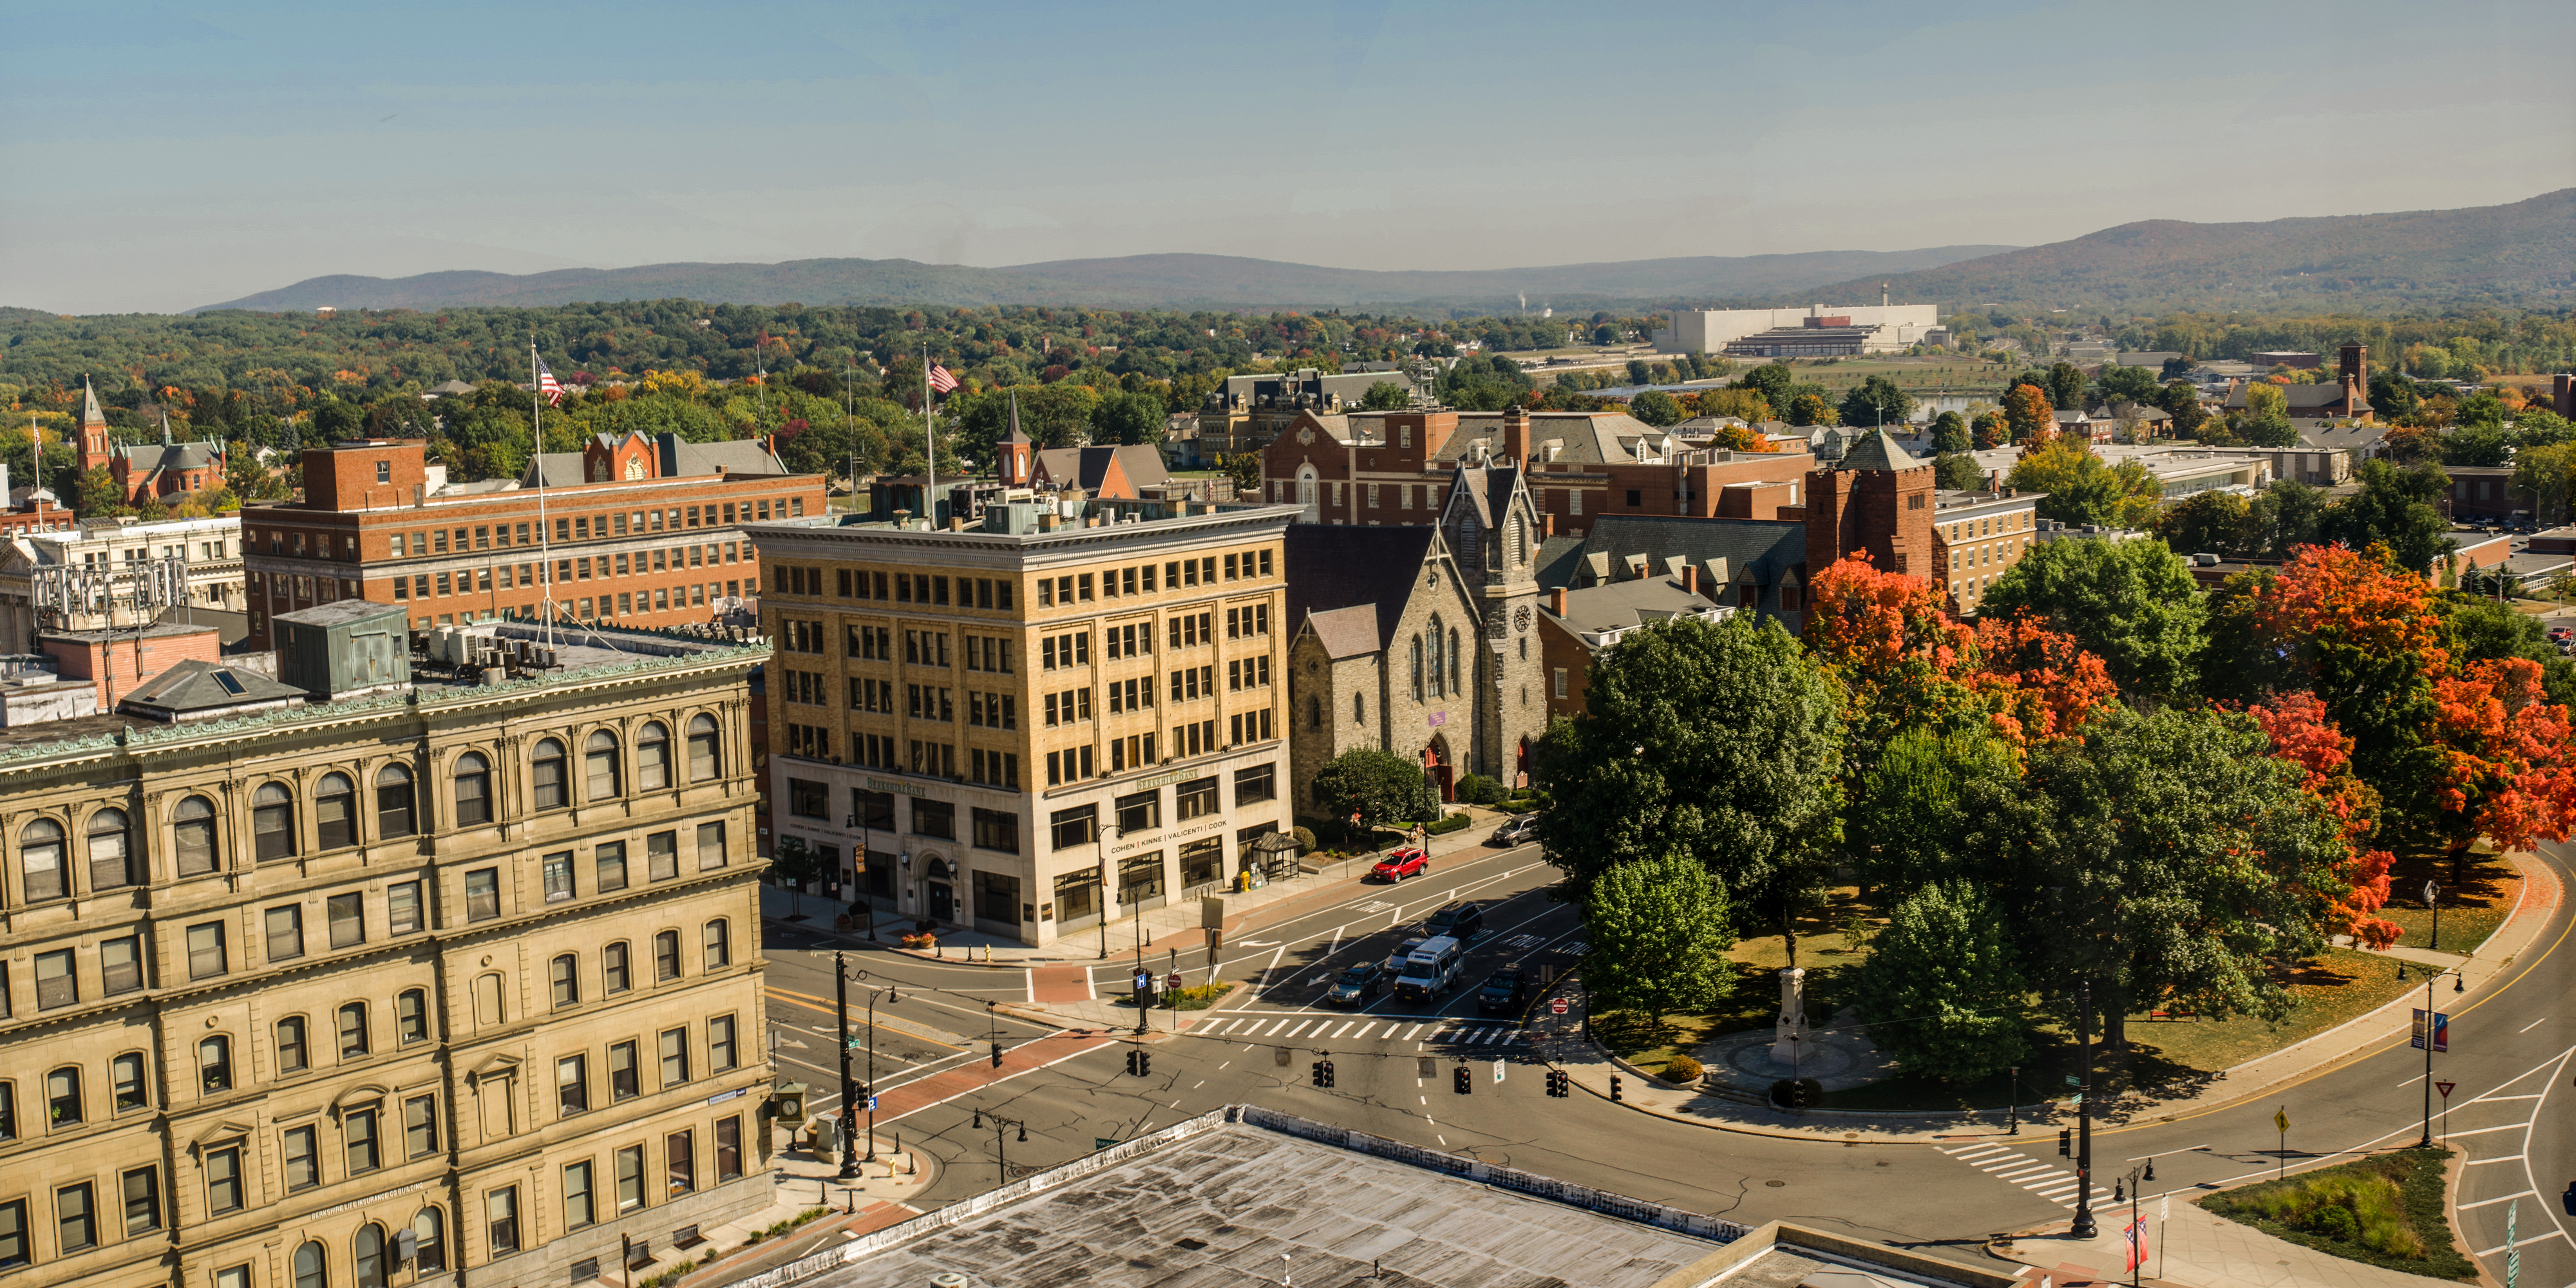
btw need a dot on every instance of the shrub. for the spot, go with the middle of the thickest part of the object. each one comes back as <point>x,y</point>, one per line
<point>1449,824</point>
<point>1682,1069</point>
<point>1476,789</point>
<point>1305,840</point>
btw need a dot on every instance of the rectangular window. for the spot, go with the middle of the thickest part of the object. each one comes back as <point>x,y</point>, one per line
<point>285,933</point>
<point>420,1126</point>
<point>76,1218</point>
<point>303,1159</point>
<point>13,1234</point>
<point>1202,862</point>
<point>501,1220</point>
<point>120,961</point>
<point>1140,812</point>
<point>1077,894</point>
<point>809,799</point>
<point>729,1148</point>
<point>482,894</point>
<point>1259,783</point>
<point>1194,799</point>
<point>623,1079</point>
<point>997,830</point>
<point>680,1152</point>
<point>558,874</point>
<point>572,1085</point>
<point>223,1180</point>
<point>608,866</point>
<point>358,1130</point>
<point>934,818</point>
<point>630,1178</point>
<point>720,1045</point>
<point>711,846</point>
<point>402,908</point>
<point>578,1212</point>
<point>57,984</point>
<point>662,856</point>
<point>348,917</point>
<point>675,1057</point>
<point>142,1188</point>
<point>1077,826</point>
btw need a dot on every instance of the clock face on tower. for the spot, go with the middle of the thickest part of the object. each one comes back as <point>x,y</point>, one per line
<point>1521,618</point>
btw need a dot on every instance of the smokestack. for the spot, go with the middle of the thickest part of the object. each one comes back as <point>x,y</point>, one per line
<point>1556,601</point>
<point>1882,295</point>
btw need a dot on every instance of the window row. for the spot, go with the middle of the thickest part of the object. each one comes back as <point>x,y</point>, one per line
<point>1143,811</point>
<point>929,589</point>
<point>65,1105</point>
<point>609,869</point>
<point>565,979</point>
<point>621,1075</point>
<point>1116,583</point>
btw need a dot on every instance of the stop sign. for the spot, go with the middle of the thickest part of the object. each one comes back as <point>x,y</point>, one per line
<point>1557,1006</point>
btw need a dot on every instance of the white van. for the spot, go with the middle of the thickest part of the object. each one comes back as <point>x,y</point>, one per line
<point>1431,970</point>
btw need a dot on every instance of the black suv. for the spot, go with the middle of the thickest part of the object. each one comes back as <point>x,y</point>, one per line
<point>1460,921</point>
<point>1356,985</point>
<point>1504,991</point>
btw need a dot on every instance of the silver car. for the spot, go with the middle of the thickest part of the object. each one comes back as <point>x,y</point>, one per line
<point>1515,831</point>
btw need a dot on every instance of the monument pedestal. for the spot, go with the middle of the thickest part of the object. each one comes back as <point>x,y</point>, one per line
<point>1789,1032</point>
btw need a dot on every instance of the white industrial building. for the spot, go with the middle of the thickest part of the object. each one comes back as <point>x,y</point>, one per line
<point>1890,328</point>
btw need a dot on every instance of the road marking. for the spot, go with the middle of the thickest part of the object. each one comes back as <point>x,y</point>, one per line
<point>1274,1029</point>
<point>1221,1068</point>
<point>2481,1131</point>
<point>1363,1032</point>
<point>2481,1162</point>
<point>1974,1151</point>
<point>1337,942</point>
<point>2411,1081</point>
<point>1198,1084</point>
<point>2524,1243</point>
<point>1029,984</point>
<point>2020,1174</point>
<point>2493,1100</point>
<point>1416,1029</point>
<point>1346,1027</point>
<point>2533,1025</point>
<point>2524,1194</point>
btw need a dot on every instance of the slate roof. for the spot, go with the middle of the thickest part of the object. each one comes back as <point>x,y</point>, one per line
<point>1879,452</point>
<point>2305,398</point>
<point>90,413</point>
<point>1085,467</point>
<point>1489,489</point>
<point>1582,437</point>
<point>1629,603</point>
<point>192,685</point>
<point>1335,566</point>
<point>1559,558</point>
<point>1768,552</point>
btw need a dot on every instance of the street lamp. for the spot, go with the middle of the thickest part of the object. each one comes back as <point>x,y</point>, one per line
<point>860,884</point>
<point>1001,1154</point>
<point>852,1097</point>
<point>1108,831</point>
<point>2012,1112</point>
<point>2084,1227</point>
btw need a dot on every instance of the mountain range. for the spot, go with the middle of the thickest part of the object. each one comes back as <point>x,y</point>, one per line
<point>2523,253</point>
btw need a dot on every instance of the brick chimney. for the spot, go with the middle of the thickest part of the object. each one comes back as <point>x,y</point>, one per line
<point>1690,579</point>
<point>1556,601</point>
<point>1516,438</point>
<point>1547,522</point>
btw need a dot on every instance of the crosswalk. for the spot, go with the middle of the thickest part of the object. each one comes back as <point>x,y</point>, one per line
<point>1335,1028</point>
<point>2047,1180</point>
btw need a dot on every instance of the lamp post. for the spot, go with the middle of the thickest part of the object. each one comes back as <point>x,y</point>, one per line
<point>2432,895</point>
<point>1108,833</point>
<point>2012,1112</point>
<point>853,1096</point>
<point>2084,1227</point>
<point>860,872</point>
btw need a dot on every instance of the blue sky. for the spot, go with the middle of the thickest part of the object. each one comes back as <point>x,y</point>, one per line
<point>161,157</point>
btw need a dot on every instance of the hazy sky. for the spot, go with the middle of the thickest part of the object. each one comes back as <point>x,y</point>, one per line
<point>161,157</point>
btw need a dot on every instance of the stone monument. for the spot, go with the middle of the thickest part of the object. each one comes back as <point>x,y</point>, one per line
<point>1789,1033</point>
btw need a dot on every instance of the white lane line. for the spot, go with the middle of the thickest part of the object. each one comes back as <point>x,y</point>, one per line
<point>2481,1162</point>
<point>1337,1033</point>
<point>2522,1243</point>
<point>1198,1084</point>
<point>1299,1029</point>
<point>1409,1036</point>
<point>2412,1081</point>
<point>2485,1202</point>
<point>2481,1131</point>
<point>2492,1100</point>
<point>1990,1163</point>
<point>1363,1032</point>
<point>1274,1029</point>
<point>2533,1025</point>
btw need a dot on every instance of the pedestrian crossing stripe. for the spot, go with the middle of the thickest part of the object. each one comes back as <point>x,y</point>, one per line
<point>2056,1184</point>
<point>1335,1029</point>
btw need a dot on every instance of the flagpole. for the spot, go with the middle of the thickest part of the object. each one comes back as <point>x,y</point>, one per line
<point>545,546</point>
<point>929,445</point>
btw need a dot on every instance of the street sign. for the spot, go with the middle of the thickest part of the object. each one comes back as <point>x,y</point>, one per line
<point>2444,1088</point>
<point>2281,1119</point>
<point>872,1104</point>
<point>1498,1071</point>
<point>2441,1031</point>
<point>1557,1007</point>
<point>1172,981</point>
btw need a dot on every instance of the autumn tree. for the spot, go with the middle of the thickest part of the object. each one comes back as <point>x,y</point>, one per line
<point>2131,603</point>
<point>2027,412</point>
<point>2081,488</point>
<point>1744,404</point>
<point>2504,771</point>
<point>1989,430</point>
<point>1811,409</point>
<point>2300,732</point>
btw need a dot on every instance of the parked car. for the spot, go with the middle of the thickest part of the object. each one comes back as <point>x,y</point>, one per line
<point>1357,986</point>
<point>1395,960</point>
<point>2561,633</point>
<point>1399,864</point>
<point>1518,830</point>
<point>1459,921</point>
<point>1504,991</point>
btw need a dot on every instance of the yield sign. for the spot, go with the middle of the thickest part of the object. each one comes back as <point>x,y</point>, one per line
<point>2444,1088</point>
<point>1557,1007</point>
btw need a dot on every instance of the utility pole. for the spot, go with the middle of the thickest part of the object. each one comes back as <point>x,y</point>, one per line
<point>2084,1227</point>
<point>849,1090</point>
<point>2425,1035</point>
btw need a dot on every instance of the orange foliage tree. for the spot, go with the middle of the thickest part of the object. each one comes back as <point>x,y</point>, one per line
<point>2028,412</point>
<point>2503,749</point>
<point>2301,734</point>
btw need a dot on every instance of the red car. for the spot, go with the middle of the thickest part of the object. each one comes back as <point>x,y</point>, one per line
<point>1407,862</point>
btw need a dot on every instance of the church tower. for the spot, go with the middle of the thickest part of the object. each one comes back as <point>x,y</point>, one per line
<point>1493,529</point>
<point>94,450</point>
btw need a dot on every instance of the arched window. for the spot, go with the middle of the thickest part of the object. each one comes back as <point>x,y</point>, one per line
<point>602,778</point>
<point>393,802</point>
<point>566,972</point>
<point>653,757</point>
<point>548,768</point>
<point>704,758</point>
<point>1359,708</point>
<point>666,955</point>
<point>335,812</point>
<point>111,855</point>
<point>292,1054</point>
<point>1439,674</point>
<point>272,822</point>
<point>63,1096</point>
<point>192,836</point>
<point>473,789</point>
<point>368,1252</point>
<point>309,1269</point>
<point>1457,665</point>
<point>40,855</point>
<point>429,1250</point>
<point>720,939</point>
<point>1306,490</point>
<point>215,1063</point>
<point>1417,668</point>
<point>353,1030</point>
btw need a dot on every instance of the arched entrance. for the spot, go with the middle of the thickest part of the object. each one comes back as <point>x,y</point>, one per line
<point>1436,768</point>
<point>1521,764</point>
<point>938,894</point>
<point>1306,493</point>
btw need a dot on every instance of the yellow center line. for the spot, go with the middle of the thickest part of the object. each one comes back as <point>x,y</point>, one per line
<point>825,1006</point>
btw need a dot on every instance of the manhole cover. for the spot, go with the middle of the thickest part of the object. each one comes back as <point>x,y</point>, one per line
<point>1774,1184</point>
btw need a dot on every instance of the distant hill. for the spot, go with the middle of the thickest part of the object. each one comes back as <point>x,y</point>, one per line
<point>2523,253</point>
<point>1136,281</point>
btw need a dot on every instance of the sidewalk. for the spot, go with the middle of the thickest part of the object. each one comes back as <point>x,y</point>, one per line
<point>874,1201</point>
<point>1174,927</point>
<point>2192,1250</point>
<point>1592,1067</point>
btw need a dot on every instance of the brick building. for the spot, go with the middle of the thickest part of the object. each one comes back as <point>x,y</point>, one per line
<point>2347,397</point>
<point>1579,626</point>
<point>147,471</point>
<point>640,531</point>
<point>1877,498</point>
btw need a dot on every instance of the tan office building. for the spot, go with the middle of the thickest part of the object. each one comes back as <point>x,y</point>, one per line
<point>429,984</point>
<point>1034,723</point>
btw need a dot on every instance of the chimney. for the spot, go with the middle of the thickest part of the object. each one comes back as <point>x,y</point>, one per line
<point>1556,601</point>
<point>1516,436</point>
<point>1690,579</point>
<point>1547,522</point>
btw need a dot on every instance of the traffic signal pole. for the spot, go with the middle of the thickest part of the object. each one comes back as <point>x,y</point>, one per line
<point>2084,1227</point>
<point>849,1090</point>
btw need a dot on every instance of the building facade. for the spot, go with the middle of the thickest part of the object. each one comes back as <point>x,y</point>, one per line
<point>1578,626</point>
<point>106,558</point>
<point>148,471</point>
<point>1036,724</point>
<point>633,530</point>
<point>458,984</point>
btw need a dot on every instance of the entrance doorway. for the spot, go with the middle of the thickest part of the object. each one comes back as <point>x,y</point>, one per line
<point>942,899</point>
<point>1436,769</point>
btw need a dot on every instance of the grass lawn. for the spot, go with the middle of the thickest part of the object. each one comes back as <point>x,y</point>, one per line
<point>2471,908</point>
<point>1826,948</point>
<point>2385,1210</point>
<point>1194,997</point>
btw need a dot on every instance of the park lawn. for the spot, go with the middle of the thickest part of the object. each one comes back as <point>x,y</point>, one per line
<point>2332,988</point>
<point>2472,908</point>
<point>1828,950</point>
<point>2384,1210</point>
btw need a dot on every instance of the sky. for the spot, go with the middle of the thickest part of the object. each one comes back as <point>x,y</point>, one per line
<point>166,156</point>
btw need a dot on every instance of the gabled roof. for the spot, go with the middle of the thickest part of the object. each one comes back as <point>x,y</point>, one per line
<point>1335,566</point>
<point>1879,452</point>
<point>1489,490</point>
<point>1629,603</point>
<point>1346,632</point>
<point>1769,553</point>
<point>1581,437</point>
<point>1088,467</point>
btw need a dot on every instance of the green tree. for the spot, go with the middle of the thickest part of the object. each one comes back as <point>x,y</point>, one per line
<point>97,496</point>
<point>2128,384</point>
<point>1245,469</point>
<point>2393,395</point>
<point>1772,381</point>
<point>2283,518</point>
<point>1719,742</point>
<point>1941,988</point>
<point>2205,523</point>
<point>1656,408</point>
<point>1950,433</point>
<point>1386,395</point>
<point>2541,427</point>
<point>1131,419</point>
<point>2476,443</point>
<point>2131,603</point>
<point>1379,786</point>
<point>2544,474</point>
<point>1810,409</point>
<point>1958,472</point>
<point>2181,400</point>
<point>1905,823</point>
<point>2065,383</point>
<point>1659,929</point>
<point>1876,401</point>
<point>2080,488</point>
<point>2396,508</point>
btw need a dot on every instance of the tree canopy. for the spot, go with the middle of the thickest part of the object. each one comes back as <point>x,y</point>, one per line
<point>2131,603</point>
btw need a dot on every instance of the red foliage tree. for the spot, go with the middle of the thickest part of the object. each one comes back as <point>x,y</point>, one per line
<point>2302,734</point>
<point>1904,661</point>
<point>2504,756</point>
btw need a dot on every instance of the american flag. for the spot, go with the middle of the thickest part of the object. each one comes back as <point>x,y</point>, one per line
<point>940,380</point>
<point>548,385</point>
<point>2136,1237</point>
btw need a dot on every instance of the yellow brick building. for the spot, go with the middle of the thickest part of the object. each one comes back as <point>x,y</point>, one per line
<point>1029,725</point>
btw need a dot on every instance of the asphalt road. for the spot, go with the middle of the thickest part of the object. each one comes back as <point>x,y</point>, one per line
<point>2510,1061</point>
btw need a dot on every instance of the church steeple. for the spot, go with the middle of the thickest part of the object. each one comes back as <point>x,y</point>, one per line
<point>93,430</point>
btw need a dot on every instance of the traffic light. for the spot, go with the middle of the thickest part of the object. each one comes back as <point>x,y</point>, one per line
<point>1461,1081</point>
<point>2066,1142</point>
<point>997,1055</point>
<point>1327,1067</point>
<point>1556,1080</point>
<point>1615,1093</point>
<point>1140,1062</point>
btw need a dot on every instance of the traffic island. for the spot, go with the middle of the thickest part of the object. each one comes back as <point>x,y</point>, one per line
<point>2385,1210</point>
